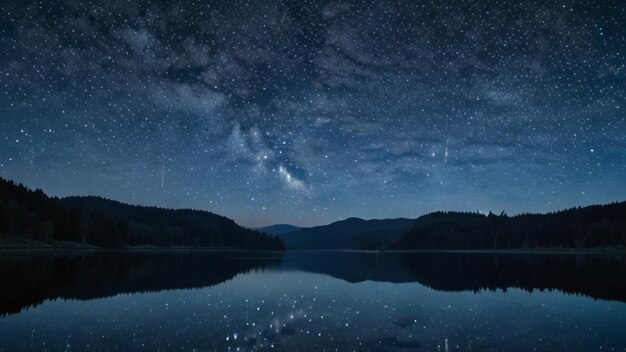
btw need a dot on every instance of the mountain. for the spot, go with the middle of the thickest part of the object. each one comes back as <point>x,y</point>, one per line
<point>594,226</point>
<point>351,233</point>
<point>279,229</point>
<point>31,218</point>
<point>196,227</point>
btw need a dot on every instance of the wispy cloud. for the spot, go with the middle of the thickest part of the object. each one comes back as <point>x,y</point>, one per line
<point>291,181</point>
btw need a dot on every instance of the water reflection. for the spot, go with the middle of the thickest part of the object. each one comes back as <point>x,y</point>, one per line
<point>593,275</point>
<point>312,301</point>
<point>596,276</point>
<point>27,279</point>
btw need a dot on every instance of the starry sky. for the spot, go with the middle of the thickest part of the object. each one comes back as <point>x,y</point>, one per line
<point>307,112</point>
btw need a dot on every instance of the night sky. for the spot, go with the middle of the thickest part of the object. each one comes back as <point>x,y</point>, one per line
<point>309,112</point>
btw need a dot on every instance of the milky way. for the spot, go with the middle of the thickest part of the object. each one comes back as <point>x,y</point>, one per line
<point>308,112</point>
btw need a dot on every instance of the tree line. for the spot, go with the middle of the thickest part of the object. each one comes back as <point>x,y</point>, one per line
<point>597,226</point>
<point>32,215</point>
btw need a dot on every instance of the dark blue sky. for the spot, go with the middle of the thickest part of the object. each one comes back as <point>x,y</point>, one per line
<point>308,112</point>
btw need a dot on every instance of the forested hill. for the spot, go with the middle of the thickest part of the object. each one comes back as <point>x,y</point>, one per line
<point>32,215</point>
<point>589,227</point>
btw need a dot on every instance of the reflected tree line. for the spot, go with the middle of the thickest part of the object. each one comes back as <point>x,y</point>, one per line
<point>28,280</point>
<point>599,276</point>
<point>33,216</point>
<point>596,276</point>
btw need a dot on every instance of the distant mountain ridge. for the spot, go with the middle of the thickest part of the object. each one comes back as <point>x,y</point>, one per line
<point>28,216</point>
<point>279,229</point>
<point>594,226</point>
<point>351,233</point>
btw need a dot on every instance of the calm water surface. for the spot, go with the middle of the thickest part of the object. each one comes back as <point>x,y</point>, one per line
<point>312,301</point>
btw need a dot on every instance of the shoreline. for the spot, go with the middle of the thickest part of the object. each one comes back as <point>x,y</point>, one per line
<point>477,251</point>
<point>66,246</point>
<point>77,247</point>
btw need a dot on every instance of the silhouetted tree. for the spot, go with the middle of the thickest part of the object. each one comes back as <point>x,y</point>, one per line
<point>589,227</point>
<point>105,223</point>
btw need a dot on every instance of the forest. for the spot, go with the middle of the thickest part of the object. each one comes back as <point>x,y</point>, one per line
<point>596,226</point>
<point>32,215</point>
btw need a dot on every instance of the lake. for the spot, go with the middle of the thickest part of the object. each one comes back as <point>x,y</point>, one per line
<point>312,301</point>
